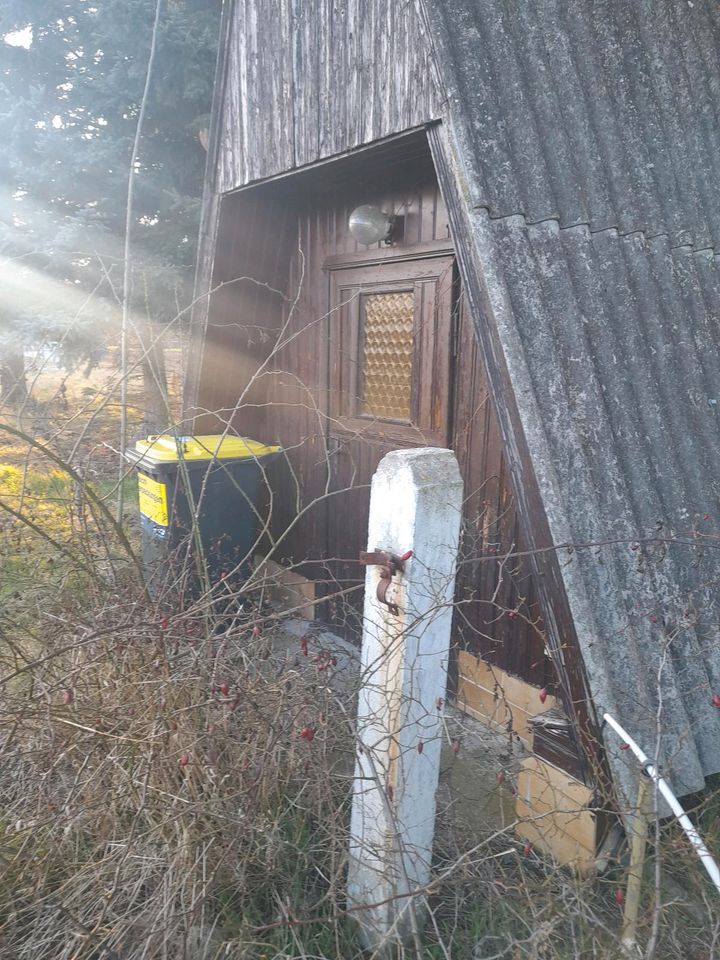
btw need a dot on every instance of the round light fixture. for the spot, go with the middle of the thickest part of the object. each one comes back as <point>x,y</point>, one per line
<point>369,224</point>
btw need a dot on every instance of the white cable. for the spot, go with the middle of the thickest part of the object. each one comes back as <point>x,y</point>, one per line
<point>693,836</point>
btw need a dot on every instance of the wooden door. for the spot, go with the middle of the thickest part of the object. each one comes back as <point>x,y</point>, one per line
<point>391,334</point>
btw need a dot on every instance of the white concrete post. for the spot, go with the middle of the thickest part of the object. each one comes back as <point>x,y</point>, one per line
<point>415,504</point>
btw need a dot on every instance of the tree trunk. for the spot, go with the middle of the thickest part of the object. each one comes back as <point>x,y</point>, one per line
<point>13,383</point>
<point>156,415</point>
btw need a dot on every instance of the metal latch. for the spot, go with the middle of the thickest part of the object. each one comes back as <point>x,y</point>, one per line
<point>389,564</point>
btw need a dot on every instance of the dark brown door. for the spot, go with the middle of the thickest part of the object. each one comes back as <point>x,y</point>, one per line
<point>390,378</point>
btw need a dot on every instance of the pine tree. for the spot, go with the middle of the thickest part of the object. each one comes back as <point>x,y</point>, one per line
<point>70,92</point>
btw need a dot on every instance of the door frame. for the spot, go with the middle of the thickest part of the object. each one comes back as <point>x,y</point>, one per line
<point>430,271</point>
<point>433,275</point>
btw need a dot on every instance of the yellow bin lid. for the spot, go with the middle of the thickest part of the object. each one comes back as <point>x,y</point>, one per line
<point>166,448</point>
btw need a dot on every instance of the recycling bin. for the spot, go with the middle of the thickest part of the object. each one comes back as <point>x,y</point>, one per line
<point>220,479</point>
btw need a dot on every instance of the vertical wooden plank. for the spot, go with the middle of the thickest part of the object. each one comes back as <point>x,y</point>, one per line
<point>242,313</point>
<point>427,204</point>
<point>329,39</point>
<point>491,527</point>
<point>441,228</point>
<point>357,104</point>
<point>309,79</point>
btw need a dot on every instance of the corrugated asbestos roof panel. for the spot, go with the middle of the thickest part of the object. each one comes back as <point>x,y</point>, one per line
<point>618,380</point>
<point>598,122</point>
<point>604,112</point>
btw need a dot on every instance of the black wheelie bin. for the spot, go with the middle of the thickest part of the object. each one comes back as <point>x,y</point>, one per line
<point>218,479</point>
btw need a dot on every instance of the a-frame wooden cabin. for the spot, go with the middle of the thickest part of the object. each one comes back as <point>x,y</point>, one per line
<point>546,306</point>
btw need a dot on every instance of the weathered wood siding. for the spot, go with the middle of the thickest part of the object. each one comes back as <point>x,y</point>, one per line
<point>298,411</point>
<point>291,235</point>
<point>310,79</point>
<point>249,279</point>
<point>497,614</point>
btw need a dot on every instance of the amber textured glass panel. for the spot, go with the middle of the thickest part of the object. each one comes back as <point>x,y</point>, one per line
<point>387,355</point>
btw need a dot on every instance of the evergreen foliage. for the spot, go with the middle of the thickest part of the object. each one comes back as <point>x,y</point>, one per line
<point>71,79</point>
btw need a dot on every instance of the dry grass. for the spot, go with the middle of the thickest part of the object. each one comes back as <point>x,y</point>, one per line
<point>156,785</point>
<point>161,798</point>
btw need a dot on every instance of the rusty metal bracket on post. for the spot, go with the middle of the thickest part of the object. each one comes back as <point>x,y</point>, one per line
<point>389,564</point>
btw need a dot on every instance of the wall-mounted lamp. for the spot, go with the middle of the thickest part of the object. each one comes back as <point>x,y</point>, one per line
<point>369,224</point>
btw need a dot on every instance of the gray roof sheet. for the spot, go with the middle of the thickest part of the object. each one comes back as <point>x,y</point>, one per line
<point>603,112</point>
<point>588,137</point>
<point>620,390</point>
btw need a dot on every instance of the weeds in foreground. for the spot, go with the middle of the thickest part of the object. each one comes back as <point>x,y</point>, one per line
<point>170,791</point>
<point>157,788</point>
<point>177,786</point>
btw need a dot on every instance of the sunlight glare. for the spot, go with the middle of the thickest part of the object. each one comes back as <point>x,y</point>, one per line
<point>27,290</point>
